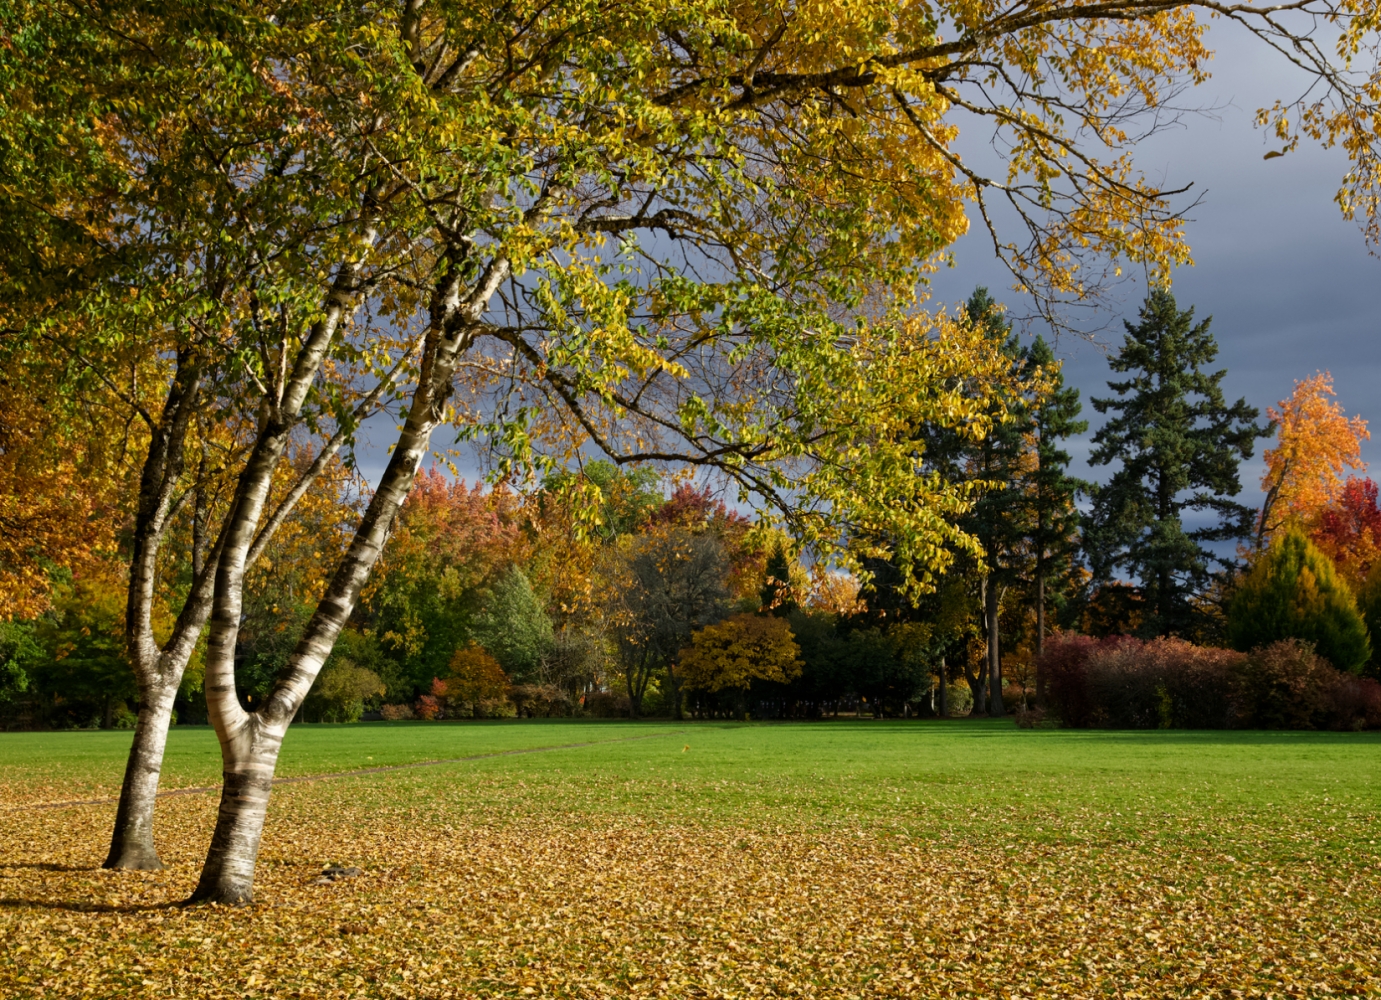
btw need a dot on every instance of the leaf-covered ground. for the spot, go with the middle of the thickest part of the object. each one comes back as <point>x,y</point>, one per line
<point>827,860</point>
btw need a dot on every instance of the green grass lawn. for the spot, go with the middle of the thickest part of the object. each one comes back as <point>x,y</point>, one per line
<point>91,764</point>
<point>1254,790</point>
<point>831,859</point>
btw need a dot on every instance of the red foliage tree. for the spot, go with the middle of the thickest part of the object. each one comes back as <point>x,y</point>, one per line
<point>1349,530</point>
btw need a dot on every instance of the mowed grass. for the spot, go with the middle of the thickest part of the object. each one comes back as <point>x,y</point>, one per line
<point>694,859</point>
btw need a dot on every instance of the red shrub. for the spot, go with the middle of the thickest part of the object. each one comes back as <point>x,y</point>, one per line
<point>1126,683</point>
<point>1063,665</point>
<point>1353,703</point>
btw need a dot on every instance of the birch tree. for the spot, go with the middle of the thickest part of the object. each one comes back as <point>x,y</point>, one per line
<point>685,235</point>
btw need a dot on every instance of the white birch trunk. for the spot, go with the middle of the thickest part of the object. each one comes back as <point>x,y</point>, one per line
<point>250,741</point>
<point>159,671</point>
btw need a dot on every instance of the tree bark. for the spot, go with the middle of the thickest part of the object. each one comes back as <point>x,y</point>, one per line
<point>978,684</point>
<point>944,689</point>
<point>250,741</point>
<point>158,671</point>
<point>131,844</point>
<point>990,608</point>
<point>249,755</point>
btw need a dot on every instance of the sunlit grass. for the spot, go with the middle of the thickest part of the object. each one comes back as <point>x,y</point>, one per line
<point>695,859</point>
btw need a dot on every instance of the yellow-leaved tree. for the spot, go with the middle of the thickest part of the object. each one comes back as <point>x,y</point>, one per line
<point>741,649</point>
<point>694,234</point>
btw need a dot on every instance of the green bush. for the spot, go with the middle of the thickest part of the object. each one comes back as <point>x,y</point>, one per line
<point>340,692</point>
<point>1294,592</point>
<point>1369,603</point>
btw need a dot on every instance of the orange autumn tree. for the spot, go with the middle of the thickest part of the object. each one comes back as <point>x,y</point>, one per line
<point>1315,444</point>
<point>61,473</point>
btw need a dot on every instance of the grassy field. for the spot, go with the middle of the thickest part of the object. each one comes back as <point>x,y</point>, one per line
<point>629,860</point>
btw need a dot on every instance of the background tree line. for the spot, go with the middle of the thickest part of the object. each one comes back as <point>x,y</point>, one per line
<point>495,602</point>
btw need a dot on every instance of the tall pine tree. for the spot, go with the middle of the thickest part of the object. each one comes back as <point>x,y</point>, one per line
<point>1051,517</point>
<point>998,516</point>
<point>1179,445</point>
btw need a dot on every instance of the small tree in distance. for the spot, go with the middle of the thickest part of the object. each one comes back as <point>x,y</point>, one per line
<point>741,649</point>
<point>1315,444</point>
<point>475,676</point>
<point>1294,592</point>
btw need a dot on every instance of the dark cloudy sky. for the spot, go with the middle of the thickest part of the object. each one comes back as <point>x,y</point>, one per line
<point>1289,283</point>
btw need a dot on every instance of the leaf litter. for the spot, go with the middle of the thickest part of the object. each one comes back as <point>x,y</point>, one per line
<point>474,889</point>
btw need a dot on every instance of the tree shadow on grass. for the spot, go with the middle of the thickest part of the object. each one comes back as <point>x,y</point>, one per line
<point>47,866</point>
<point>86,907</point>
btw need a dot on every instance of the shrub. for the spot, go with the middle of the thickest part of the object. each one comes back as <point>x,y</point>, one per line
<point>1167,683</point>
<point>340,692</point>
<point>396,713</point>
<point>607,705</point>
<point>1162,684</point>
<point>540,701</point>
<point>1293,592</point>
<point>1285,685</point>
<point>495,708</point>
<point>1063,665</point>
<point>428,707</point>
<point>1353,703</point>
<point>475,675</point>
<point>960,699</point>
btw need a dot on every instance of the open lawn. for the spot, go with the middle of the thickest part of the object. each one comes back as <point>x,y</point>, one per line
<point>826,859</point>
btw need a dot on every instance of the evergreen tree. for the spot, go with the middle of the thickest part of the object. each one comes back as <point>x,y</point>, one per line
<point>1294,592</point>
<point>997,519</point>
<point>1179,445</point>
<point>513,627</point>
<point>1052,517</point>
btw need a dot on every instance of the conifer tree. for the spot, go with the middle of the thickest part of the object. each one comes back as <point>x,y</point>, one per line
<point>1294,592</point>
<point>1052,518</point>
<point>999,516</point>
<point>1179,445</point>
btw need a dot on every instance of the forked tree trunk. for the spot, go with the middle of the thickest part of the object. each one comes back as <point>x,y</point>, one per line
<point>250,741</point>
<point>160,671</point>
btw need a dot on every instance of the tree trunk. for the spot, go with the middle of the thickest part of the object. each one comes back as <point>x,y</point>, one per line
<point>1040,637</point>
<point>249,758</point>
<point>250,741</point>
<point>131,845</point>
<point>675,683</point>
<point>978,685</point>
<point>990,603</point>
<point>944,689</point>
